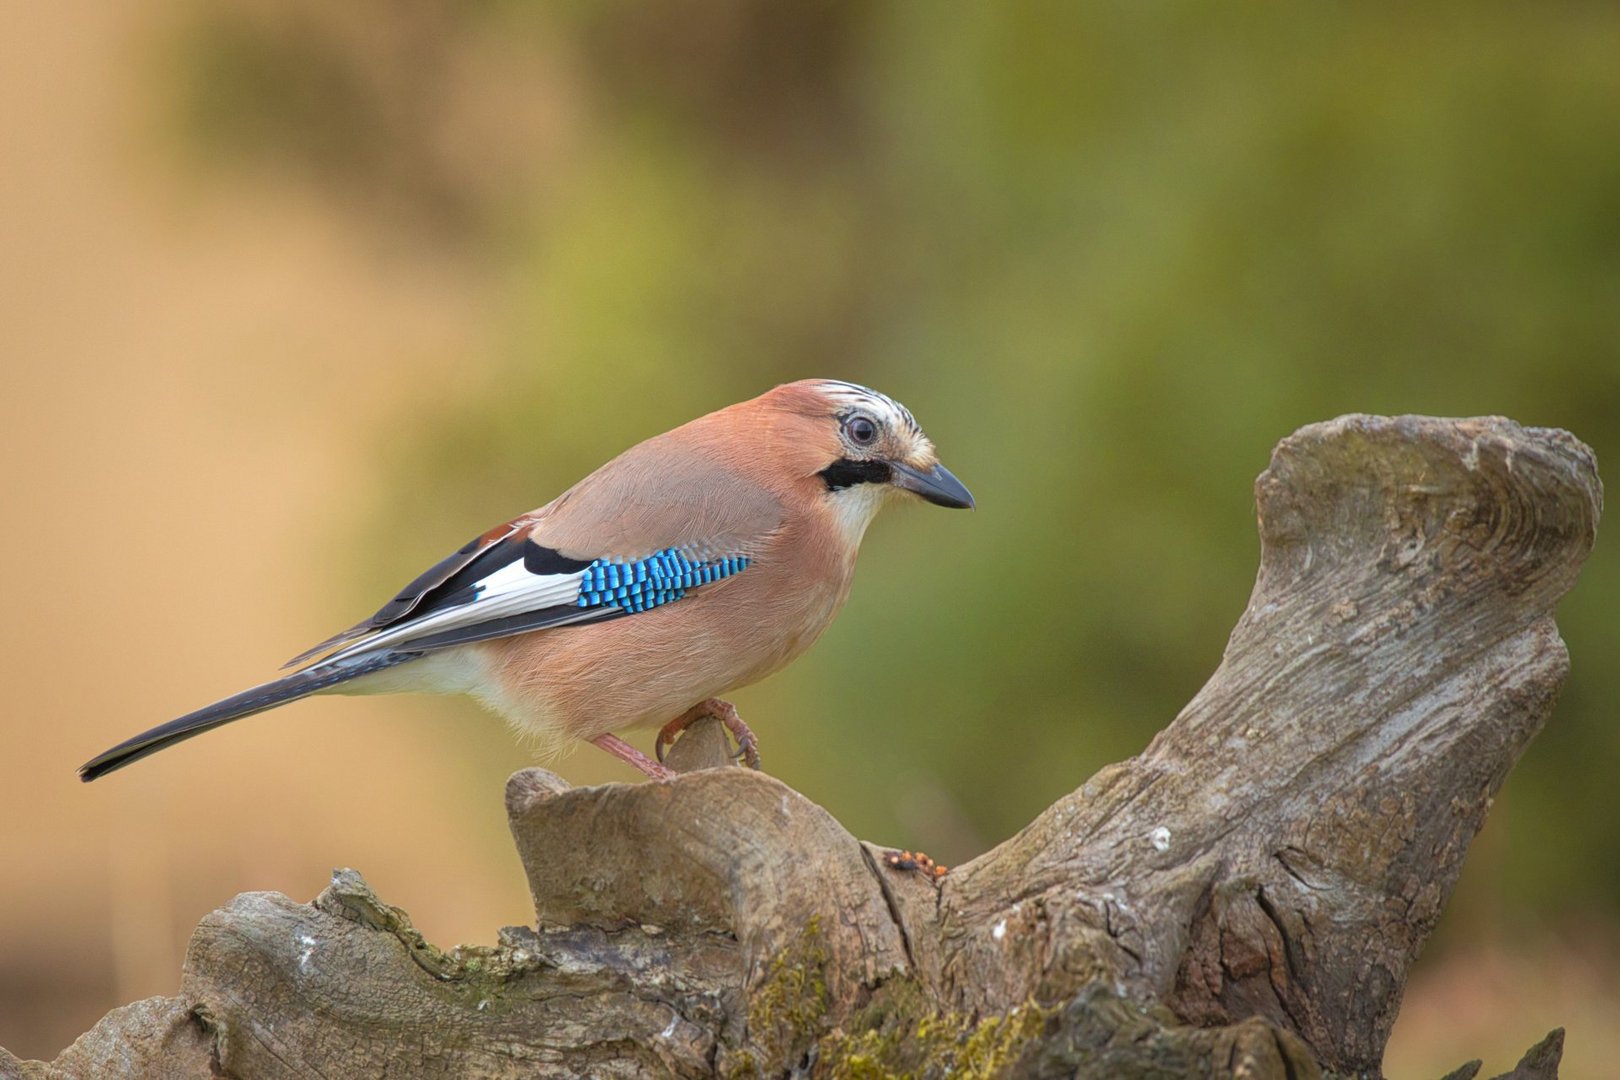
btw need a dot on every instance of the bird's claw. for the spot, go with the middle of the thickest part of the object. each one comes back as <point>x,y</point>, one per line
<point>747,748</point>
<point>723,711</point>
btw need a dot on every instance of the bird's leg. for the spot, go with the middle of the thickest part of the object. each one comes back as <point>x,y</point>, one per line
<point>723,711</point>
<point>625,752</point>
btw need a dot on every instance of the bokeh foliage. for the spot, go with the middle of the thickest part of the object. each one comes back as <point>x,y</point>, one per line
<point>1108,253</point>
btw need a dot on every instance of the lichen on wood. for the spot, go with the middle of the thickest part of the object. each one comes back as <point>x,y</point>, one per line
<point>1243,898</point>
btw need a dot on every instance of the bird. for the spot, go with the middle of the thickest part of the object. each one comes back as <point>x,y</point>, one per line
<point>693,564</point>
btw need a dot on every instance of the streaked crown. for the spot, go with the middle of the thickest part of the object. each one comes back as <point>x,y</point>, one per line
<point>852,396</point>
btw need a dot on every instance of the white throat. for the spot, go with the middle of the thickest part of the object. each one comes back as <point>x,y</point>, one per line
<point>854,508</point>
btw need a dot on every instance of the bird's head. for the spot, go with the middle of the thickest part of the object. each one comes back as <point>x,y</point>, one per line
<point>858,448</point>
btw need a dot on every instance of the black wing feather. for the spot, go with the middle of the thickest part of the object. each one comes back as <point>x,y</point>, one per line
<point>453,581</point>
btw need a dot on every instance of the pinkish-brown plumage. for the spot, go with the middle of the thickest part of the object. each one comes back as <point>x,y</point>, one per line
<point>782,485</point>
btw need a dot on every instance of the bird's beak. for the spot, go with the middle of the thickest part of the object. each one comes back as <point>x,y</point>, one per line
<point>937,485</point>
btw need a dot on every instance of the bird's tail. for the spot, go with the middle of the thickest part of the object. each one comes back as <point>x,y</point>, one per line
<point>289,688</point>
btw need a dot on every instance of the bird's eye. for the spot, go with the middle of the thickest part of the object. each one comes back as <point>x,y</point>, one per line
<point>862,431</point>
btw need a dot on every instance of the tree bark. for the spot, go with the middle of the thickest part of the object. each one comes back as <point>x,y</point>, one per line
<point>1243,898</point>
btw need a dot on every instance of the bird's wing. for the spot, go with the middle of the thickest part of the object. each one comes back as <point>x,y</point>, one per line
<point>449,576</point>
<point>638,533</point>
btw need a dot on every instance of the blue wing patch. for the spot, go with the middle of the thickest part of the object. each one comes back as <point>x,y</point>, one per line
<point>512,599</point>
<point>643,584</point>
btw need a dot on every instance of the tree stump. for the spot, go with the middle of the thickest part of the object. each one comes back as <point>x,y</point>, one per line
<point>1242,899</point>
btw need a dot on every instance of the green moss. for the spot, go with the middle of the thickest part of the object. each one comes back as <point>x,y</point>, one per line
<point>787,1014</point>
<point>901,1034</point>
<point>991,1047</point>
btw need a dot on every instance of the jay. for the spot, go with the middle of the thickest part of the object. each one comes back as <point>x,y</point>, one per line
<point>694,563</point>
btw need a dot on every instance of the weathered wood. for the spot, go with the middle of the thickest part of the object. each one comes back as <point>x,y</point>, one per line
<point>1241,899</point>
<point>154,1039</point>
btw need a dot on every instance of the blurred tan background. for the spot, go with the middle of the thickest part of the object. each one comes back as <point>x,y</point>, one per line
<point>296,297</point>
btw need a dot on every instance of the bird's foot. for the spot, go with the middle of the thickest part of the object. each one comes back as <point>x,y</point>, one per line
<point>625,752</point>
<point>723,711</point>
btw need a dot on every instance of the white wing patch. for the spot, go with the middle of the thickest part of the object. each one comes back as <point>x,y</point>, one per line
<point>511,590</point>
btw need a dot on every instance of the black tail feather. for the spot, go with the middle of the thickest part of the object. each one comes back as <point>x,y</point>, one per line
<point>258,699</point>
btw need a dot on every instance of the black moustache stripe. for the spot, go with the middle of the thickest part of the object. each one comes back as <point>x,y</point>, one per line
<point>847,472</point>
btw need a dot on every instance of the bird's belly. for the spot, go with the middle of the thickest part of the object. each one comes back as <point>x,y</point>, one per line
<point>646,669</point>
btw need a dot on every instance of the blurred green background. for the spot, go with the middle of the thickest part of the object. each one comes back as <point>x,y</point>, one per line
<point>1107,253</point>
